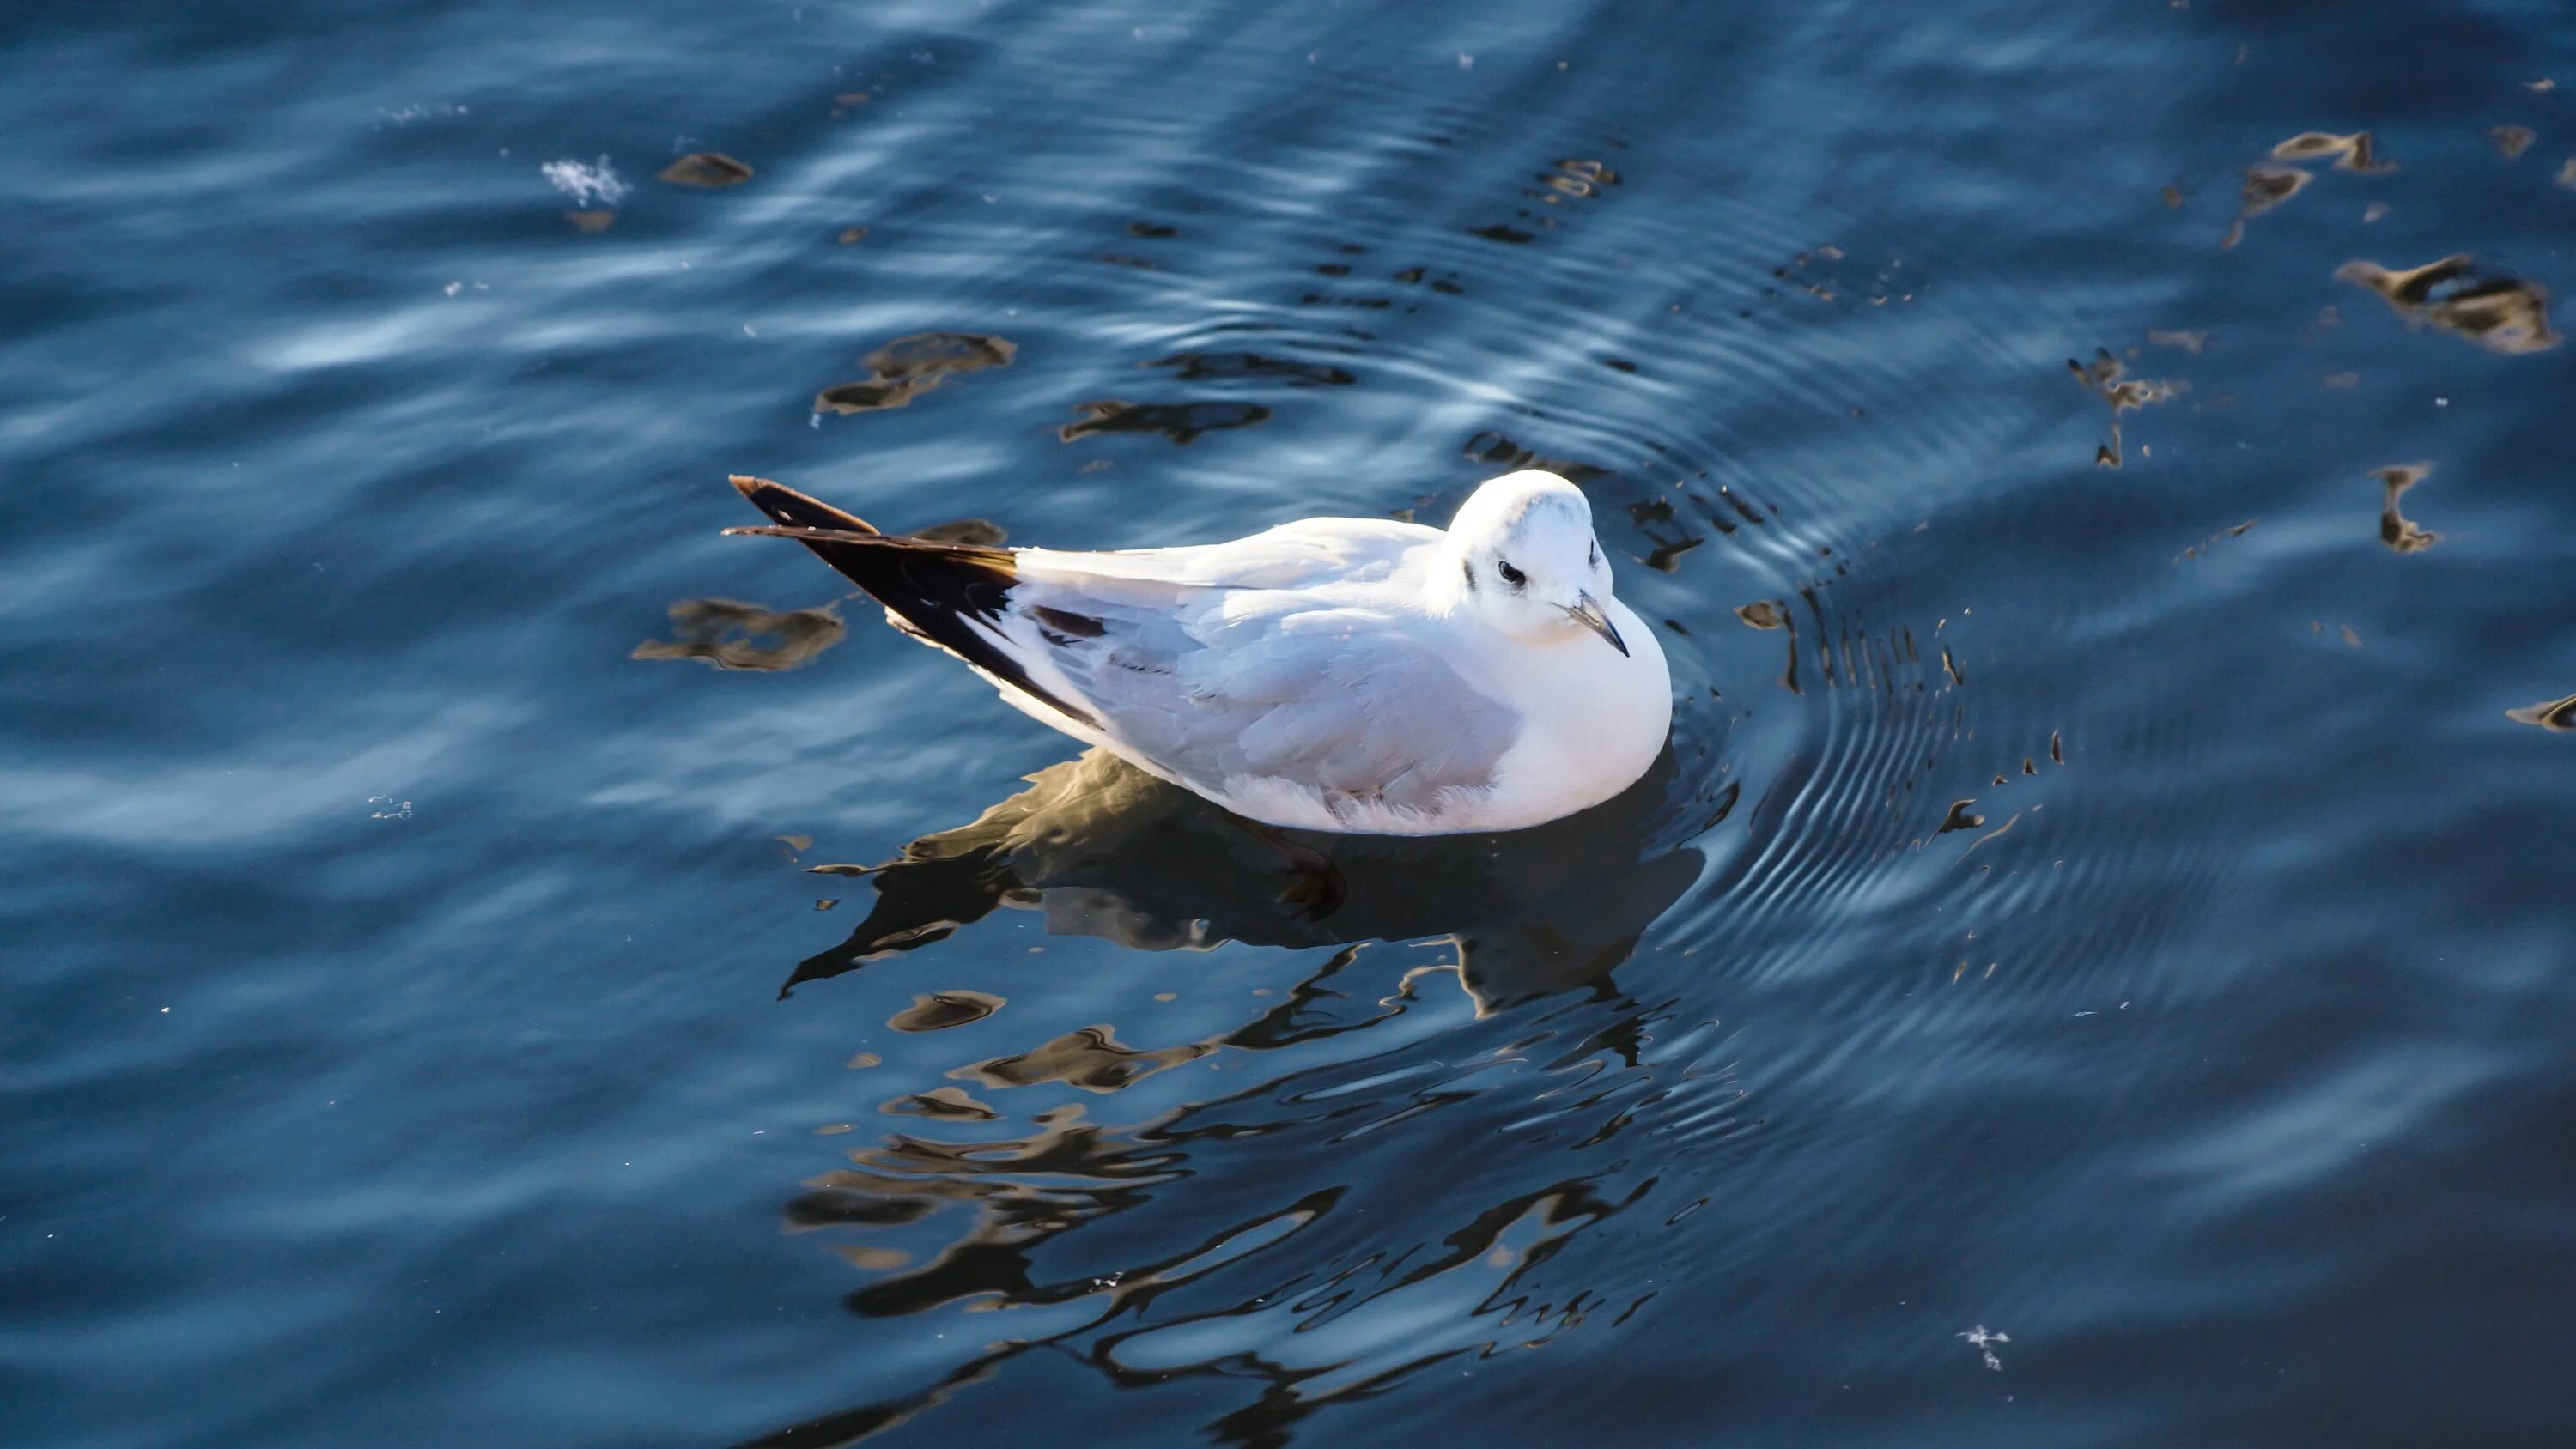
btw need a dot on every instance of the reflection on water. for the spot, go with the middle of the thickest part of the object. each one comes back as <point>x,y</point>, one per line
<point>1180,422</point>
<point>732,635</point>
<point>1239,366</point>
<point>2350,153</point>
<point>907,367</point>
<point>1099,848</point>
<point>2107,378</point>
<point>2264,188</point>
<point>940,1010</point>
<point>1500,453</point>
<point>1994,962</point>
<point>707,168</point>
<point>2497,311</point>
<point>2396,530</point>
<point>2202,548</point>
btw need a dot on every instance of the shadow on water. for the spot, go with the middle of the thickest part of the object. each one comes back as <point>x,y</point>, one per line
<point>1101,849</point>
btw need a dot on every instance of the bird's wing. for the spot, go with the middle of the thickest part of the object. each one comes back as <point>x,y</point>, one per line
<point>1306,554</point>
<point>1338,690</point>
<point>1297,659</point>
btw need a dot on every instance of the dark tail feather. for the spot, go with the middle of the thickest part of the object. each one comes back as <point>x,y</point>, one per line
<point>797,509</point>
<point>933,587</point>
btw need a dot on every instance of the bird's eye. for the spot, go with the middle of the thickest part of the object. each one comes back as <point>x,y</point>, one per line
<point>1593,556</point>
<point>1511,576</point>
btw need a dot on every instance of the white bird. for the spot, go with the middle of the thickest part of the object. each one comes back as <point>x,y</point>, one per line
<point>1339,674</point>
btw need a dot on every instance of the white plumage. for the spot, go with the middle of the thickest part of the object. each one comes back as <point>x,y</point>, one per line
<point>1335,674</point>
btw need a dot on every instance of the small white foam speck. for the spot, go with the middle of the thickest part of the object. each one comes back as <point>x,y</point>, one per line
<point>596,184</point>
<point>405,115</point>
<point>1981,1336</point>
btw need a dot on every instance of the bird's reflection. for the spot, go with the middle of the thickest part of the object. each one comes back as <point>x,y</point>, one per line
<point>1104,849</point>
<point>988,1199</point>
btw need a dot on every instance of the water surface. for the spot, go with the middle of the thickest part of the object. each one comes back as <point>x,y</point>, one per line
<point>2092,969</point>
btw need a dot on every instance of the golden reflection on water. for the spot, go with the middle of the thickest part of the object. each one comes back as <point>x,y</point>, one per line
<point>2396,530</point>
<point>940,1010</point>
<point>2350,153</point>
<point>2264,188</point>
<point>730,635</point>
<point>2499,312</point>
<point>707,168</point>
<point>2107,377</point>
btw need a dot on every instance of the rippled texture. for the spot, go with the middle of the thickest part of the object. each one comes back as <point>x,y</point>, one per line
<point>2091,969</point>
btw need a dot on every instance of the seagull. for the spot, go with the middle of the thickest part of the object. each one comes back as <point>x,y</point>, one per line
<point>1348,675</point>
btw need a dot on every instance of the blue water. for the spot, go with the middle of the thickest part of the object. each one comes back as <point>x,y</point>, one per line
<point>2097,973</point>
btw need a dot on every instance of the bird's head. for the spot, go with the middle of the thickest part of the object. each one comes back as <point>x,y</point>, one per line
<point>1527,562</point>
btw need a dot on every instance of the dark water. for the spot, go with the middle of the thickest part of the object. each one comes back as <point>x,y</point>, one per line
<point>2097,973</point>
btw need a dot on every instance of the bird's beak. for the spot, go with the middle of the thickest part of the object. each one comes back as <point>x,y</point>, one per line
<point>1587,612</point>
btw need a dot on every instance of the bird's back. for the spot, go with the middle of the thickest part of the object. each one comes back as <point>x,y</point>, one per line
<point>1308,553</point>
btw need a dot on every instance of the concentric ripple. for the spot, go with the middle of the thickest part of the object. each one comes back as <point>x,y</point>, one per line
<point>1735,381</point>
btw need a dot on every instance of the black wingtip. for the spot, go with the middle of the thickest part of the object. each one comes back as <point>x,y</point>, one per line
<point>935,588</point>
<point>794,509</point>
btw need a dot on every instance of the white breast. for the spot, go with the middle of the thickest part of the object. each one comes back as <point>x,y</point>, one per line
<point>1593,722</point>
